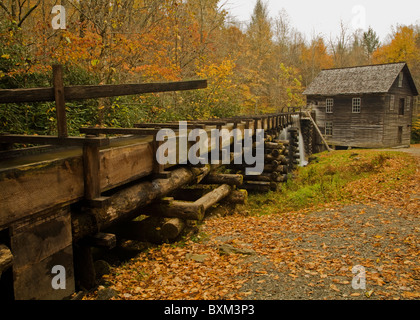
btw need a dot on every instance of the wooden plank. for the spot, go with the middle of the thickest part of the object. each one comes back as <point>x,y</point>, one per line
<point>33,188</point>
<point>38,244</point>
<point>174,126</point>
<point>51,140</point>
<point>60,105</point>
<point>97,91</point>
<point>91,172</point>
<point>122,131</point>
<point>35,281</point>
<point>123,164</point>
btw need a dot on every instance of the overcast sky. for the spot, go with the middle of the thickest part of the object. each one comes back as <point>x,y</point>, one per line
<point>323,16</point>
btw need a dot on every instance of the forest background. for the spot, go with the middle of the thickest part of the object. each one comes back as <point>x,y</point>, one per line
<point>259,67</point>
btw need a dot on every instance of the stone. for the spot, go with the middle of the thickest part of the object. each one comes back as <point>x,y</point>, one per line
<point>106,294</point>
<point>196,257</point>
<point>229,249</point>
<point>101,268</point>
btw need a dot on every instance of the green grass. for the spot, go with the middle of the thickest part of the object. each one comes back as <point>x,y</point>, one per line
<point>329,178</point>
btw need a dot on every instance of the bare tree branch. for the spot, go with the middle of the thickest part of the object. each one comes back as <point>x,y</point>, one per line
<point>5,8</point>
<point>28,13</point>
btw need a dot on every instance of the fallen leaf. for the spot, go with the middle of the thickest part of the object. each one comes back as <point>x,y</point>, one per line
<point>334,287</point>
<point>369,293</point>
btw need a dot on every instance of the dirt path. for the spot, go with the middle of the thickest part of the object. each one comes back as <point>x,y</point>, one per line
<point>312,256</point>
<point>413,150</point>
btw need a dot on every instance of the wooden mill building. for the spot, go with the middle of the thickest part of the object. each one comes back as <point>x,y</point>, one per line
<point>366,107</point>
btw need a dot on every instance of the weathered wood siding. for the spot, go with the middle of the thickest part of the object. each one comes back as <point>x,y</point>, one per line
<point>364,129</point>
<point>392,118</point>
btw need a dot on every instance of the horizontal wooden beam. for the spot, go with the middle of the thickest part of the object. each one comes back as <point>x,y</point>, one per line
<point>123,131</point>
<point>96,91</point>
<point>52,140</point>
<point>171,125</point>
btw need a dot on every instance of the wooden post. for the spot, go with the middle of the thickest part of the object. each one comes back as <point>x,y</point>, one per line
<point>318,131</point>
<point>83,266</point>
<point>38,244</point>
<point>91,171</point>
<point>60,104</point>
<point>158,168</point>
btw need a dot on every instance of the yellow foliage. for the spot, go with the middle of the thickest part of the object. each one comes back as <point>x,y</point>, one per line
<point>402,48</point>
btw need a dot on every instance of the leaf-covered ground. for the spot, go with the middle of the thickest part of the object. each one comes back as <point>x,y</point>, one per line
<point>371,218</point>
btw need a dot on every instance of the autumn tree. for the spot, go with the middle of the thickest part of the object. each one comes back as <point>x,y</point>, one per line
<point>403,47</point>
<point>315,58</point>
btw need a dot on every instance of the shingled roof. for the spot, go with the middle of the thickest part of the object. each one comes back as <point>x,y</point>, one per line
<point>357,80</point>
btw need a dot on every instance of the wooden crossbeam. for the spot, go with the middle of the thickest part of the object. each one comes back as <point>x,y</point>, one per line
<point>171,125</point>
<point>96,91</point>
<point>208,122</point>
<point>52,140</point>
<point>123,131</point>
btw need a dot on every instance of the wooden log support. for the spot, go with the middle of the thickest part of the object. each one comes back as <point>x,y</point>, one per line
<point>60,105</point>
<point>214,196</point>
<point>101,240</point>
<point>172,228</point>
<point>6,258</point>
<point>239,196</point>
<point>273,145</point>
<point>230,179</point>
<point>264,178</point>
<point>84,269</point>
<point>172,208</point>
<point>257,186</point>
<point>152,229</point>
<point>274,156</point>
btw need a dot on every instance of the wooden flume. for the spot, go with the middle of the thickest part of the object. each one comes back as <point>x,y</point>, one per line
<point>86,188</point>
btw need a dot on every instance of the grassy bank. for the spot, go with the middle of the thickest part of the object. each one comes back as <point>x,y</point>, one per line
<point>339,176</point>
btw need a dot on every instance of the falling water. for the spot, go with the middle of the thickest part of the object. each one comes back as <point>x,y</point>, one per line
<point>296,124</point>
